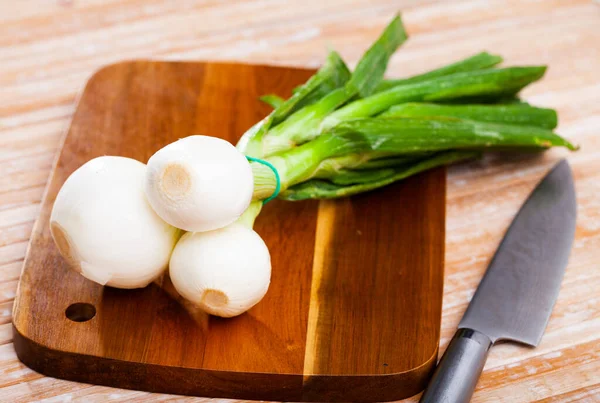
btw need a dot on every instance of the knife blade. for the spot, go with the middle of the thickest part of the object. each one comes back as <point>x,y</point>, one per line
<point>515,298</point>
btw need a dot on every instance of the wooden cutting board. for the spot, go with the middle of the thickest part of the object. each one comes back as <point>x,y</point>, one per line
<point>353,312</point>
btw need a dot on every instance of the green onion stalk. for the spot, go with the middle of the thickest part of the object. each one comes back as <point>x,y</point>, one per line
<point>330,87</point>
<point>344,133</point>
<point>442,140</point>
<point>308,123</point>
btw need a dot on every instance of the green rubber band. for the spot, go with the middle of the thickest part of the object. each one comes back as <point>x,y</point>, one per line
<point>277,178</point>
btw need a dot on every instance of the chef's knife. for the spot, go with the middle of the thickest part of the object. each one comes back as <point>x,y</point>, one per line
<point>515,298</point>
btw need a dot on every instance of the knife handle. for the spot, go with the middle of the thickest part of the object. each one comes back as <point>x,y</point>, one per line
<point>459,369</point>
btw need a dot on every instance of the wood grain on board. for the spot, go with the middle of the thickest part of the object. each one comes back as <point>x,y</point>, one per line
<point>354,307</point>
<point>49,49</point>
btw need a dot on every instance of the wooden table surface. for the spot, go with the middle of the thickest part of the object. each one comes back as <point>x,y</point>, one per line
<point>48,49</point>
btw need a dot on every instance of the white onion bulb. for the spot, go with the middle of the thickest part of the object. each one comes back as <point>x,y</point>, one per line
<point>225,272</point>
<point>199,183</point>
<point>106,229</point>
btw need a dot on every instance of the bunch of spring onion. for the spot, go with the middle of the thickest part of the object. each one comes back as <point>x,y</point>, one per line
<point>339,134</point>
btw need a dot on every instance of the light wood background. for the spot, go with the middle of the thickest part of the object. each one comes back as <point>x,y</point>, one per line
<point>48,49</point>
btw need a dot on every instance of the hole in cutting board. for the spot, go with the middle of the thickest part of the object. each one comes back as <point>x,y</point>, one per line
<point>80,312</point>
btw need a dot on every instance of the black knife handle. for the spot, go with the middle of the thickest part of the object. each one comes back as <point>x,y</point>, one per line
<point>459,369</point>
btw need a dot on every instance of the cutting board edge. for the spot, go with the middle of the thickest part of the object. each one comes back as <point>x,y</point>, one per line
<point>115,65</point>
<point>159,378</point>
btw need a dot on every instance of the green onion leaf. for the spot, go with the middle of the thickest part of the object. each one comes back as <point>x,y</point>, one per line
<point>272,100</point>
<point>479,61</point>
<point>322,189</point>
<point>519,114</point>
<point>371,68</point>
<point>490,82</point>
